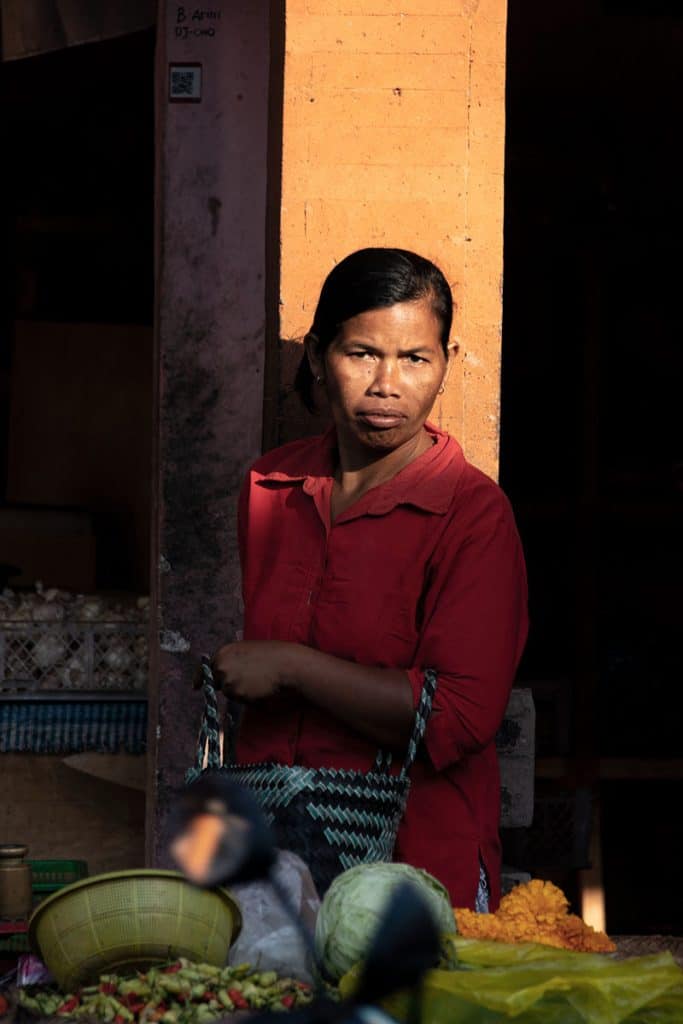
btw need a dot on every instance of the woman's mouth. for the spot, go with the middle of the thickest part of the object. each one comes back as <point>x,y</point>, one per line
<point>381,419</point>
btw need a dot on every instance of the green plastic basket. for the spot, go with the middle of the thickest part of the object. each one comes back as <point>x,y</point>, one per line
<point>15,943</point>
<point>51,875</point>
<point>128,921</point>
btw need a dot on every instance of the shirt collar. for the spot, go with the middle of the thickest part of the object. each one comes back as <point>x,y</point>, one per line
<point>426,483</point>
<point>311,460</point>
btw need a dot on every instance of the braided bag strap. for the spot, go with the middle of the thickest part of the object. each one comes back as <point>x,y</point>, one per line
<point>209,735</point>
<point>424,709</point>
<point>208,740</point>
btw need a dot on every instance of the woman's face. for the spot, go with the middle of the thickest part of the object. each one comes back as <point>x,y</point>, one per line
<point>382,374</point>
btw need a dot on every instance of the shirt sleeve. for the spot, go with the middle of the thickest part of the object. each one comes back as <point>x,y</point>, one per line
<point>474,627</point>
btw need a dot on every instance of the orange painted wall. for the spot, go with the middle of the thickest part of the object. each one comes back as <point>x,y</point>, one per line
<point>393,134</point>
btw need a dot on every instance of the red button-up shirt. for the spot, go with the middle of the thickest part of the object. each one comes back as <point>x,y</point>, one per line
<point>424,571</point>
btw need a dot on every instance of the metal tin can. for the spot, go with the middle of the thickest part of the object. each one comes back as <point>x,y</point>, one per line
<point>16,900</point>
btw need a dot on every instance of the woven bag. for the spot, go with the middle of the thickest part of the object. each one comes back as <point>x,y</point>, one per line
<point>333,818</point>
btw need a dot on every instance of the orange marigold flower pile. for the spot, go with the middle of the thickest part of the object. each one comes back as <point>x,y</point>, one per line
<point>534,912</point>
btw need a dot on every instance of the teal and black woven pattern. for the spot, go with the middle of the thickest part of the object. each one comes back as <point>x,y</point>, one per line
<point>332,818</point>
<point>70,727</point>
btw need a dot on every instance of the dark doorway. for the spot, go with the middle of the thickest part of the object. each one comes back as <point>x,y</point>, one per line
<point>76,313</point>
<point>76,358</point>
<point>592,438</point>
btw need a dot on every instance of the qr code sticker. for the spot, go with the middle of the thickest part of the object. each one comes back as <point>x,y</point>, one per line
<point>185,83</point>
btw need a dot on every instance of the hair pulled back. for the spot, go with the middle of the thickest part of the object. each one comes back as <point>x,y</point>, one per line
<point>373,279</point>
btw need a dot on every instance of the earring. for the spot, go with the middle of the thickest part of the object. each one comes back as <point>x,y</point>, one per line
<point>319,380</point>
<point>441,390</point>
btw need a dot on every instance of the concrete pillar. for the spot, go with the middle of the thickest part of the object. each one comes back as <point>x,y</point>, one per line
<point>211,230</point>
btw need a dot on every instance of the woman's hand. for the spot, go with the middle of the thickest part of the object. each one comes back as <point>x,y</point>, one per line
<point>250,670</point>
<point>377,702</point>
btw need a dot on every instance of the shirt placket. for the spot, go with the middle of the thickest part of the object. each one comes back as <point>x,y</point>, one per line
<point>320,492</point>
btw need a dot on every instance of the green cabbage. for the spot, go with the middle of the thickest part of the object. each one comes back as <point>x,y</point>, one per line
<point>354,904</point>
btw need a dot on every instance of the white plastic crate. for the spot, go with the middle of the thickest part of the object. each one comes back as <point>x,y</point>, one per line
<point>71,655</point>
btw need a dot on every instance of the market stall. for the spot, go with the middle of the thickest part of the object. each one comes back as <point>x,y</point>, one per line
<point>179,947</point>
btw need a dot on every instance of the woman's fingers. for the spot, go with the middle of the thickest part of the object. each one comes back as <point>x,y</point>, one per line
<point>219,666</point>
<point>245,671</point>
<point>220,680</point>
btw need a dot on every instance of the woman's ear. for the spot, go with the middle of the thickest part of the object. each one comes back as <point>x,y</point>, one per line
<point>450,359</point>
<point>315,362</point>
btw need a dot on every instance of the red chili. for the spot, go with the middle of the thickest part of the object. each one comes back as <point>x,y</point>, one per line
<point>4,1006</point>
<point>173,969</point>
<point>69,1005</point>
<point>135,1004</point>
<point>288,1001</point>
<point>304,986</point>
<point>108,988</point>
<point>118,1019</point>
<point>208,996</point>
<point>238,999</point>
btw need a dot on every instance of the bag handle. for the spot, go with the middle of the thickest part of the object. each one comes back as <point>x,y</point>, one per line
<point>422,713</point>
<point>209,742</point>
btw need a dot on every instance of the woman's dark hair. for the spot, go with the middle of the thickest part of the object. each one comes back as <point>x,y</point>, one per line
<point>373,279</point>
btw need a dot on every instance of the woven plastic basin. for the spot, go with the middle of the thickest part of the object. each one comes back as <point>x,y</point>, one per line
<point>130,920</point>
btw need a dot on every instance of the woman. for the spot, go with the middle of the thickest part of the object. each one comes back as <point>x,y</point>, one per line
<point>371,553</point>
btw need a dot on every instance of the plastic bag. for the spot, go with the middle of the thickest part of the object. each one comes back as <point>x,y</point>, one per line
<point>32,971</point>
<point>269,940</point>
<point>532,984</point>
<point>490,953</point>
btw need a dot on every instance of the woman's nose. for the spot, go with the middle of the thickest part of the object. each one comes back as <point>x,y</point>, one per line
<point>385,379</point>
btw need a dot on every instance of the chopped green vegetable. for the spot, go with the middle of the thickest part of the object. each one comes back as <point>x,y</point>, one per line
<point>179,993</point>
